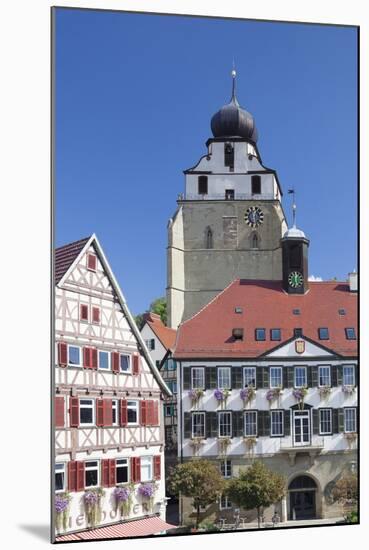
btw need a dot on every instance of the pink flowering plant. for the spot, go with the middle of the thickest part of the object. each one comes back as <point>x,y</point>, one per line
<point>247,394</point>
<point>299,394</point>
<point>221,395</point>
<point>195,394</point>
<point>61,504</point>
<point>348,390</point>
<point>147,492</point>
<point>273,394</point>
<point>92,502</point>
<point>123,500</point>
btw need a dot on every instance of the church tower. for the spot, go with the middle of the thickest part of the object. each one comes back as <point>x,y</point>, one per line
<point>229,222</point>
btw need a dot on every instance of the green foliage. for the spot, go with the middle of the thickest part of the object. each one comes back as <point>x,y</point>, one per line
<point>352,517</point>
<point>199,480</point>
<point>158,306</point>
<point>346,489</point>
<point>256,488</point>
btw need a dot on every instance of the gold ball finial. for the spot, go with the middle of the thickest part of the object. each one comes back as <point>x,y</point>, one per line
<point>233,73</point>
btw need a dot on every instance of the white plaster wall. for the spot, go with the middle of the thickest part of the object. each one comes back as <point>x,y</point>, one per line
<point>175,270</point>
<point>158,353</point>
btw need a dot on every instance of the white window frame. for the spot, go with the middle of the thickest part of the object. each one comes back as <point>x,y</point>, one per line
<point>94,468</point>
<point>197,414</point>
<point>346,410</point>
<point>226,468</point>
<point>221,384</point>
<point>227,503</point>
<point>321,367</point>
<point>133,407</point>
<point>117,466</point>
<point>109,360</point>
<point>271,377</point>
<point>129,371</point>
<point>245,369</point>
<point>321,411</point>
<point>115,406</point>
<point>63,471</point>
<point>92,407</point>
<point>202,370</point>
<point>149,464</point>
<point>295,377</point>
<point>352,367</point>
<point>225,414</point>
<point>252,423</point>
<point>273,413</point>
<point>80,356</point>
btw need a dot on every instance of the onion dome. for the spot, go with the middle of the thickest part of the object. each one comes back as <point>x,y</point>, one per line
<point>294,233</point>
<point>233,121</point>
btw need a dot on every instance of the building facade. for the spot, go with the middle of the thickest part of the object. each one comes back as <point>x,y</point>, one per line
<point>229,221</point>
<point>271,375</point>
<point>108,414</point>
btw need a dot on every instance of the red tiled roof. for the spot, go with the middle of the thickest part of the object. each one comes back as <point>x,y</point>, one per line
<point>65,256</point>
<point>166,335</point>
<point>136,528</point>
<point>265,305</point>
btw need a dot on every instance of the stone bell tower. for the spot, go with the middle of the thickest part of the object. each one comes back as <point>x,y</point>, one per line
<point>229,221</point>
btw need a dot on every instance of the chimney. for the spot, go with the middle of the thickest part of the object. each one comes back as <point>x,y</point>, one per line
<point>353,281</point>
<point>237,333</point>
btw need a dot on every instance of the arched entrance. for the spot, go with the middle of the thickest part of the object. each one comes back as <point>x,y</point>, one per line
<point>302,498</point>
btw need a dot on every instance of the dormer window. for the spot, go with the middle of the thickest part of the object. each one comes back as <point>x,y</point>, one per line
<point>91,262</point>
<point>297,332</point>
<point>255,185</point>
<point>350,333</point>
<point>237,333</point>
<point>203,185</point>
<point>260,334</point>
<point>323,333</point>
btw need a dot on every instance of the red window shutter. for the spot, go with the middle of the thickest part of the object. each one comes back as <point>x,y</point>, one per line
<point>83,314</point>
<point>99,412</point>
<point>93,352</point>
<point>80,476</point>
<point>137,467</point>
<point>87,358</point>
<point>143,413</point>
<point>62,354</point>
<point>157,466</point>
<point>112,472</point>
<point>115,361</point>
<point>91,262</point>
<point>72,475</point>
<point>105,472</point>
<point>96,315</point>
<point>136,365</point>
<point>123,412</point>
<point>59,407</point>
<point>108,412</point>
<point>155,419</point>
<point>74,412</point>
<point>133,469</point>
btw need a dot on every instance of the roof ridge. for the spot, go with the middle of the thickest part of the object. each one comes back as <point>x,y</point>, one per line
<point>73,243</point>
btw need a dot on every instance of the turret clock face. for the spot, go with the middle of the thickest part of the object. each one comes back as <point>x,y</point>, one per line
<point>254,216</point>
<point>295,279</point>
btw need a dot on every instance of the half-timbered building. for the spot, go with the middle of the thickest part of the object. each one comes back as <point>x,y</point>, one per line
<point>108,414</point>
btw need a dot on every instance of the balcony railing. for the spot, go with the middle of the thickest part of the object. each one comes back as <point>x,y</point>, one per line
<point>315,443</point>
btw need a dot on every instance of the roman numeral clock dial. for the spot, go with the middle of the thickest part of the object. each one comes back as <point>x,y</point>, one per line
<point>254,216</point>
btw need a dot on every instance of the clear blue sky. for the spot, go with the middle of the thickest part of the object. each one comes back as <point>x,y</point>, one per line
<point>134,97</point>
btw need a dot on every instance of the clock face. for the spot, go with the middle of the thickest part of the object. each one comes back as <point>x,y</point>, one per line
<point>254,216</point>
<point>295,279</point>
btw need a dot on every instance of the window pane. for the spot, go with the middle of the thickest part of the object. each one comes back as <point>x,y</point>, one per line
<point>277,422</point>
<point>348,376</point>
<point>86,415</point>
<point>323,334</point>
<point>250,423</point>
<point>122,471</point>
<point>300,377</point>
<point>260,334</point>
<point>103,359</point>
<point>275,334</point>
<point>324,376</point>
<point>74,355</point>
<point>350,334</point>
<point>350,420</point>
<point>249,374</point>
<point>59,477</point>
<point>91,478</point>
<point>124,363</point>
<point>225,419</point>
<point>325,421</point>
<point>275,377</point>
<point>132,408</point>
<point>198,425</point>
<point>224,377</point>
<point>197,378</point>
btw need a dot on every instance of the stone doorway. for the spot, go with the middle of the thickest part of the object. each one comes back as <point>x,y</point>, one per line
<point>302,498</point>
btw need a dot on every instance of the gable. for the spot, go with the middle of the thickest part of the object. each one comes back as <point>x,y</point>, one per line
<point>310,349</point>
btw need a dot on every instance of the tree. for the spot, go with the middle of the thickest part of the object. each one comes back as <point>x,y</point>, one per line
<point>345,491</point>
<point>158,306</point>
<point>257,487</point>
<point>199,480</point>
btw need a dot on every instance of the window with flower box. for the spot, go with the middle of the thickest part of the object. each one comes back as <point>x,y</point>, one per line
<point>275,377</point>
<point>86,412</point>
<point>324,375</point>
<point>198,424</point>
<point>300,377</point>
<point>60,477</point>
<point>325,421</point>
<point>277,428</point>
<point>349,419</point>
<point>146,468</point>
<point>249,377</point>
<point>251,424</point>
<point>225,424</point>
<point>348,373</point>
<point>122,467</point>
<point>224,378</point>
<point>92,473</point>
<point>198,378</point>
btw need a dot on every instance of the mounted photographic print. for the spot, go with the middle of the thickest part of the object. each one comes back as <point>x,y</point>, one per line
<point>205,269</point>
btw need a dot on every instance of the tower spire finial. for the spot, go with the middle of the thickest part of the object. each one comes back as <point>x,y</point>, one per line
<point>293,206</point>
<point>234,74</point>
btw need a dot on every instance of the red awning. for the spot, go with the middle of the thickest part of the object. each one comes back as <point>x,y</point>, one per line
<point>138,528</point>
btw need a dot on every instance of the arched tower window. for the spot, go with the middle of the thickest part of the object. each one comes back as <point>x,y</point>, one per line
<point>254,240</point>
<point>256,185</point>
<point>208,238</point>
